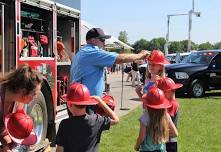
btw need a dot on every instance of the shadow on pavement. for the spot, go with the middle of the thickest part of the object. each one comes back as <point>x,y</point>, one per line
<point>127,85</point>
<point>135,99</point>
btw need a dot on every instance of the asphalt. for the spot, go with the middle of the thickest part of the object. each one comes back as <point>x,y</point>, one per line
<point>127,100</point>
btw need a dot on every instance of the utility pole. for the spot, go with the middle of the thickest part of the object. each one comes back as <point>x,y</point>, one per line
<point>190,24</point>
<point>192,11</point>
<point>167,44</point>
<point>167,35</point>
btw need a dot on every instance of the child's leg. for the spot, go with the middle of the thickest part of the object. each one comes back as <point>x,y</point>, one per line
<point>171,147</point>
<point>133,77</point>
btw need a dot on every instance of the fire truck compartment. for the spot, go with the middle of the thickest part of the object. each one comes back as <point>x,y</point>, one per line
<point>36,30</point>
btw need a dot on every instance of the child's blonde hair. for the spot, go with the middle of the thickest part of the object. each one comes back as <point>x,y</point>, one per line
<point>158,128</point>
<point>161,73</point>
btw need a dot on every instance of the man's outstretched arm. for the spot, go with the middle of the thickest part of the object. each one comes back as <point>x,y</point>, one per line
<point>125,58</point>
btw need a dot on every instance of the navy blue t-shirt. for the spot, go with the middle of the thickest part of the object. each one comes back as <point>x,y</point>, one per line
<point>82,133</point>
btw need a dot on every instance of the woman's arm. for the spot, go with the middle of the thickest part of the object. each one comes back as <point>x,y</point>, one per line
<point>5,141</point>
<point>173,129</point>
<point>141,137</point>
<point>59,149</point>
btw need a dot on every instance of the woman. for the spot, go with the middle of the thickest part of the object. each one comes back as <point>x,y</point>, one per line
<point>20,86</point>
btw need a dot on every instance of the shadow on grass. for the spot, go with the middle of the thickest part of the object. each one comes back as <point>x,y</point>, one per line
<point>210,94</point>
<point>135,99</point>
<point>213,95</point>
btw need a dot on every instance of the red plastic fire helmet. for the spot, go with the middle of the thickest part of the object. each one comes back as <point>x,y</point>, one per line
<point>155,99</point>
<point>109,100</point>
<point>167,84</point>
<point>157,57</point>
<point>78,94</point>
<point>20,128</point>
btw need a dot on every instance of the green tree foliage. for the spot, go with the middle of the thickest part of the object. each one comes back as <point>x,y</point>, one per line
<point>184,44</point>
<point>205,46</point>
<point>217,45</point>
<point>194,46</point>
<point>157,43</point>
<point>141,44</point>
<point>176,47</point>
<point>123,36</point>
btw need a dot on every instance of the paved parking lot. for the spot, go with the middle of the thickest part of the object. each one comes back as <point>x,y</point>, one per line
<point>129,100</point>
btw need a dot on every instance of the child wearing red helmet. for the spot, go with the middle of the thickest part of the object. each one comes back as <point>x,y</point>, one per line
<point>81,132</point>
<point>155,123</point>
<point>168,86</point>
<point>154,71</point>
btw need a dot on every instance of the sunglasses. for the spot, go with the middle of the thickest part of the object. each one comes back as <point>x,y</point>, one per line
<point>101,39</point>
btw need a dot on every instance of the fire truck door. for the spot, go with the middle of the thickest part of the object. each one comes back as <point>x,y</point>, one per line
<point>1,39</point>
<point>7,38</point>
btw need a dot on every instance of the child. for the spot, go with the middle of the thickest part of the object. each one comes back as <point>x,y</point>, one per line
<point>154,71</point>
<point>81,132</point>
<point>155,123</point>
<point>168,86</point>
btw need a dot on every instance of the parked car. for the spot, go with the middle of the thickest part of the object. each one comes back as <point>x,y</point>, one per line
<point>177,57</point>
<point>198,72</point>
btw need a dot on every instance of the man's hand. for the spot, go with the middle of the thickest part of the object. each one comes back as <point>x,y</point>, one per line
<point>145,53</point>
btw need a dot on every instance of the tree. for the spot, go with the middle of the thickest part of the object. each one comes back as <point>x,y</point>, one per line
<point>141,44</point>
<point>194,46</point>
<point>205,46</point>
<point>123,37</point>
<point>157,43</point>
<point>217,45</point>
<point>176,46</point>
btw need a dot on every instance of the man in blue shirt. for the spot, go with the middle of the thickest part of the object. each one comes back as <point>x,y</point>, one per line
<point>89,62</point>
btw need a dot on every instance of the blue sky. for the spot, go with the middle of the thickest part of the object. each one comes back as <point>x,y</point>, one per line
<point>147,18</point>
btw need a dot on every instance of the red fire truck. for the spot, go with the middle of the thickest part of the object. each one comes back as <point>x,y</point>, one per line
<point>29,33</point>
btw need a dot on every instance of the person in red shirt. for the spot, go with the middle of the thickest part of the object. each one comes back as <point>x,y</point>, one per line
<point>169,86</point>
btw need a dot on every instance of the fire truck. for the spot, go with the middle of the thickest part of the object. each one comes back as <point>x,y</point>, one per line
<point>30,31</point>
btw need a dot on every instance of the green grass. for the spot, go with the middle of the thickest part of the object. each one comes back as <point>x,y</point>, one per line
<point>199,128</point>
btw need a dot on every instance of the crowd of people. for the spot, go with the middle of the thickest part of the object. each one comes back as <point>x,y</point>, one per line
<point>134,72</point>
<point>81,132</point>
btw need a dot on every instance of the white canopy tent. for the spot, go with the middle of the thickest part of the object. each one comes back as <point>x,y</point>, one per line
<point>113,42</point>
